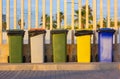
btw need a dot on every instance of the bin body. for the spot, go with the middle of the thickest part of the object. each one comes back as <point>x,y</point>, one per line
<point>83,38</point>
<point>15,38</point>
<point>105,44</point>
<point>37,38</point>
<point>59,45</point>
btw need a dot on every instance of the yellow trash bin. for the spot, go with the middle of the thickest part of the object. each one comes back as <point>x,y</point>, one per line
<point>83,38</point>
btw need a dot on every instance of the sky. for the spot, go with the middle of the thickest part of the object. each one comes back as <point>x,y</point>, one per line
<point>54,9</point>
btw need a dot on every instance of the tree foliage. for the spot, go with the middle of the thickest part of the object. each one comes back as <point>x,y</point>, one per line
<point>83,16</point>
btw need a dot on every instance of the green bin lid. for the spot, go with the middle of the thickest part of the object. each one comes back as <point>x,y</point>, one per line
<point>15,32</point>
<point>35,32</point>
<point>58,31</point>
<point>83,32</point>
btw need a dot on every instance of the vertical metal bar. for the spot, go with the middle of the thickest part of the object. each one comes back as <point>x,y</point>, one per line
<point>58,13</point>
<point>36,10</point>
<point>22,14</point>
<point>116,14</point>
<point>43,10</point>
<point>51,19</point>
<point>0,21</point>
<point>108,13</point>
<point>8,14</point>
<point>65,13</point>
<point>79,8</point>
<point>101,13</point>
<point>94,14</point>
<point>72,15</point>
<point>116,20</point>
<point>87,12</point>
<point>15,14</point>
<point>29,14</point>
<point>94,28</point>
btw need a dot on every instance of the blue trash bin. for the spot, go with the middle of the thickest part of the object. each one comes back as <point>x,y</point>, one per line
<point>105,44</point>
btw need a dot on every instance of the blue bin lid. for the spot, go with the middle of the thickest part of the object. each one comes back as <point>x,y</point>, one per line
<point>83,32</point>
<point>106,30</point>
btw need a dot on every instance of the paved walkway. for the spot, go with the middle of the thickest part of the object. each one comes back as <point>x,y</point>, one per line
<point>66,74</point>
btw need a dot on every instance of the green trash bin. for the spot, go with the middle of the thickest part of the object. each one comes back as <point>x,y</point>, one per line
<point>15,38</point>
<point>59,45</point>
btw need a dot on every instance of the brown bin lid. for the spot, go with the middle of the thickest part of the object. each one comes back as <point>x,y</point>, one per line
<point>36,31</point>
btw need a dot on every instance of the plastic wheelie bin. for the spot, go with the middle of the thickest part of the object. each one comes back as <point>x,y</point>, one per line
<point>105,44</point>
<point>59,45</point>
<point>83,38</point>
<point>37,41</point>
<point>15,38</point>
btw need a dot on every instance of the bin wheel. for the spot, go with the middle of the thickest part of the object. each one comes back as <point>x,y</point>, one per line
<point>45,58</point>
<point>24,59</point>
<point>8,59</point>
<point>52,58</point>
<point>91,58</point>
<point>96,58</point>
<point>67,58</point>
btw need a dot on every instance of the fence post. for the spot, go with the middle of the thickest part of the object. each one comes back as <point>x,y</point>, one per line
<point>108,13</point>
<point>36,13</point>
<point>116,19</point>
<point>51,15</point>
<point>101,13</point>
<point>65,13</point>
<point>87,12</point>
<point>58,14</point>
<point>43,12</point>
<point>0,21</point>
<point>72,15</point>
<point>15,14</point>
<point>29,14</point>
<point>94,29</point>
<point>79,8</point>
<point>7,17</point>
<point>22,14</point>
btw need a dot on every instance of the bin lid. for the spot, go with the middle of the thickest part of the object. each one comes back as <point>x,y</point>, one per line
<point>106,30</point>
<point>15,32</point>
<point>34,32</point>
<point>58,31</point>
<point>83,32</point>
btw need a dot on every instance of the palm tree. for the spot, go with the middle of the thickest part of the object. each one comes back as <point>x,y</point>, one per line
<point>83,16</point>
<point>19,23</point>
<point>105,23</point>
<point>61,17</point>
<point>4,26</point>
<point>119,23</point>
<point>47,22</point>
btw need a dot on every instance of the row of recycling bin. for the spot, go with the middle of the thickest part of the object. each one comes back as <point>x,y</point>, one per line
<point>59,45</point>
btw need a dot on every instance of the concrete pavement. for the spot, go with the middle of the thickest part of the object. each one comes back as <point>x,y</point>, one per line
<point>60,71</point>
<point>67,74</point>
